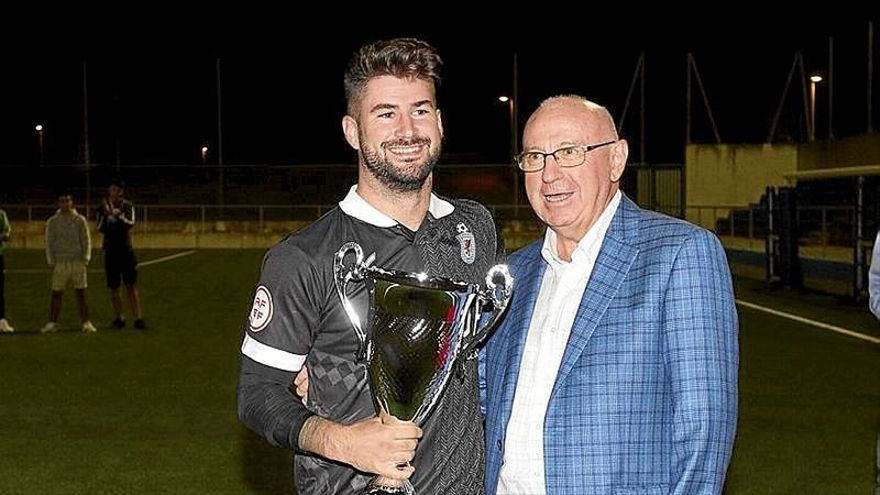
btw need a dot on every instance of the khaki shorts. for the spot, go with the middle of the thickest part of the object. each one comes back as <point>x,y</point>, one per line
<point>69,272</point>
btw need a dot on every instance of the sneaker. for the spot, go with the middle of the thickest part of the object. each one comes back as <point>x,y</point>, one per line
<point>118,323</point>
<point>49,327</point>
<point>140,324</point>
<point>89,328</point>
<point>5,327</point>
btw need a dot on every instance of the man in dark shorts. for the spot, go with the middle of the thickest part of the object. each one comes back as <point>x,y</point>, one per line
<point>116,217</point>
<point>297,318</point>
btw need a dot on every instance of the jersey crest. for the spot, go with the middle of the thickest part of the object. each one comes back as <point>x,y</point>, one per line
<point>467,244</point>
<point>262,309</point>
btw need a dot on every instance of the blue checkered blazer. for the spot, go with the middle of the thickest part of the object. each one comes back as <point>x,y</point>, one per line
<point>646,396</point>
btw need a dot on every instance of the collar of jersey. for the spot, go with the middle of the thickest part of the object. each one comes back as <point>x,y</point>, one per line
<point>355,206</point>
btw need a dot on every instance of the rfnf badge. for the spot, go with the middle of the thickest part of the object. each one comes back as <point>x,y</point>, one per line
<point>261,312</point>
<point>466,242</point>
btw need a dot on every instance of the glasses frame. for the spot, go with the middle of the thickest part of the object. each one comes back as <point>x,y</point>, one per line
<point>586,148</point>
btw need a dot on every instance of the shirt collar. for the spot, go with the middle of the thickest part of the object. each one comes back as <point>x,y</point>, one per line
<point>590,242</point>
<point>356,206</point>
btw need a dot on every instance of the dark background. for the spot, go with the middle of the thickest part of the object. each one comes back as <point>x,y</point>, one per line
<point>152,84</point>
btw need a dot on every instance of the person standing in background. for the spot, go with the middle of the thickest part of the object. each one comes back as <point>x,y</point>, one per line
<point>68,251</point>
<point>874,306</point>
<point>5,230</point>
<point>874,279</point>
<point>115,220</point>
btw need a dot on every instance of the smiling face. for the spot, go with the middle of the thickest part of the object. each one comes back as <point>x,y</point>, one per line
<point>570,200</point>
<point>397,131</point>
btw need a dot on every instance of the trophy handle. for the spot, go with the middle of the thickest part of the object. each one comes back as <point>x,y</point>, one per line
<point>342,275</point>
<point>499,295</point>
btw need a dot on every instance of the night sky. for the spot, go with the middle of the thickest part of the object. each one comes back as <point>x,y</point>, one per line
<point>152,89</point>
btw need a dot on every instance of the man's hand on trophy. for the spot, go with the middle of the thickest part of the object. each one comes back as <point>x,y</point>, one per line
<point>383,446</point>
<point>301,384</point>
<point>372,445</point>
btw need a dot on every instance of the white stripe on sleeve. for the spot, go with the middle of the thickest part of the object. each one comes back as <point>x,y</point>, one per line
<point>270,356</point>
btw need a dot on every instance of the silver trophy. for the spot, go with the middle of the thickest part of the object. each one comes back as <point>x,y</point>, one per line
<point>419,326</point>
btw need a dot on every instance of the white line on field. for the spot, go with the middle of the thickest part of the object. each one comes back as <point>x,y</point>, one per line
<point>166,258</point>
<point>96,270</point>
<point>801,319</point>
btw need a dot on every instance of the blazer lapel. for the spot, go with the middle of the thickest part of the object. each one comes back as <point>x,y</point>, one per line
<point>527,284</point>
<point>615,259</point>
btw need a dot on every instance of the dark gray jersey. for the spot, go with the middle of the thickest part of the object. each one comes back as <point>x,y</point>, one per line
<point>297,319</point>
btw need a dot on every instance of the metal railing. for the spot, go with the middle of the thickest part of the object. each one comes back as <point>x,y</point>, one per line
<point>204,217</point>
<point>821,226</point>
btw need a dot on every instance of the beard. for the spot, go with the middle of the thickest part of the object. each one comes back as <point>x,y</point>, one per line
<point>410,177</point>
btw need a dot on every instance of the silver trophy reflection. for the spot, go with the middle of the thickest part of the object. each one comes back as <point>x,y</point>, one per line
<point>419,326</point>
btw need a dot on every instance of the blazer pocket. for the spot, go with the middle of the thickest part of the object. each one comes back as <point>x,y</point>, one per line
<point>642,490</point>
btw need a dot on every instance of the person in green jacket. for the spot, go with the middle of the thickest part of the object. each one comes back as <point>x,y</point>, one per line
<point>5,230</point>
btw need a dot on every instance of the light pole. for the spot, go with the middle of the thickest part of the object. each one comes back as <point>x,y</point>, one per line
<point>514,146</point>
<point>511,106</point>
<point>814,79</point>
<point>40,131</point>
<point>204,154</point>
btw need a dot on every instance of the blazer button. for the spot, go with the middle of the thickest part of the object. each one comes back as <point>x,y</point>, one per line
<point>500,446</point>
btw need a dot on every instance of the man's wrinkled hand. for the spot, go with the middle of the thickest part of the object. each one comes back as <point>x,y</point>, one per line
<point>301,384</point>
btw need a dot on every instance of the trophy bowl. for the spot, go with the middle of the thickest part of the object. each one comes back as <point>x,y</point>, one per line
<point>418,328</point>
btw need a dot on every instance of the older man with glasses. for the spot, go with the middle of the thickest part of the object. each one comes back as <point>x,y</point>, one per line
<point>615,370</point>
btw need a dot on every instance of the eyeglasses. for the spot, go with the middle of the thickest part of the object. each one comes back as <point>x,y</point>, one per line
<point>569,156</point>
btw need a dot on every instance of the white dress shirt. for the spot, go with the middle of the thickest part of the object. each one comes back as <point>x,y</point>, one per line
<point>522,469</point>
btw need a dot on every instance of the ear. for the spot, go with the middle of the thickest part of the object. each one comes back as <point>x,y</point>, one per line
<point>350,130</point>
<point>439,122</point>
<point>618,155</point>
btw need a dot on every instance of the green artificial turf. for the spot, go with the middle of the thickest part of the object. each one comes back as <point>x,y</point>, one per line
<point>124,411</point>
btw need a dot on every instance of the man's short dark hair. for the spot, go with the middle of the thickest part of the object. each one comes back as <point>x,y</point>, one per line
<point>399,57</point>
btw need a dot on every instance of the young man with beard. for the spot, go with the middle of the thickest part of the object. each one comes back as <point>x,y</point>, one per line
<point>297,318</point>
